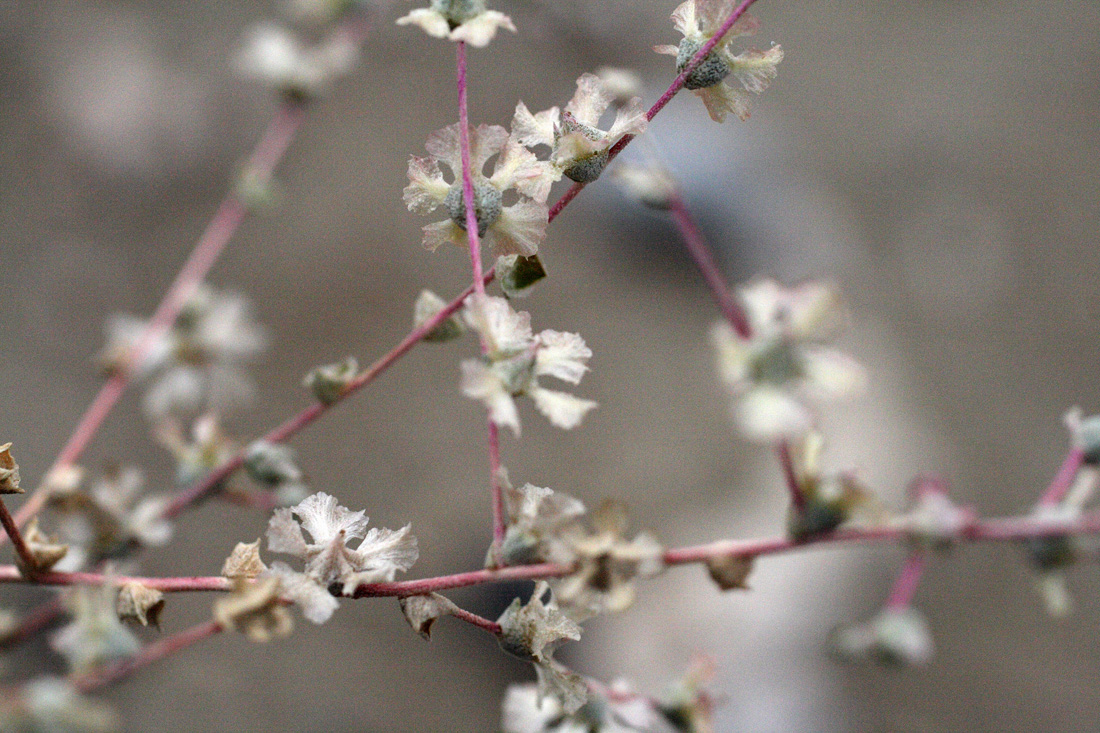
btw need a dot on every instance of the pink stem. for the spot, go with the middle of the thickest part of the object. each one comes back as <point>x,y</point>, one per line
<point>704,260</point>
<point>21,549</point>
<point>482,623</point>
<point>151,653</point>
<point>461,580</point>
<point>906,584</point>
<point>306,417</point>
<point>1063,480</point>
<point>10,574</point>
<point>786,462</point>
<point>498,493</point>
<point>467,174</point>
<point>34,621</point>
<point>267,154</point>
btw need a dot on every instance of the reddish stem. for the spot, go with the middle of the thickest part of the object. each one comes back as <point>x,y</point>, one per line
<point>461,580</point>
<point>26,559</point>
<point>908,580</point>
<point>1063,480</point>
<point>34,621</point>
<point>786,463</point>
<point>151,653</point>
<point>704,260</point>
<point>497,490</point>
<point>482,623</point>
<point>267,154</point>
<point>10,574</point>
<point>472,235</point>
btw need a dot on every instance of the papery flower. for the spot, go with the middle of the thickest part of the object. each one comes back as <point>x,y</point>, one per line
<point>205,449</point>
<point>109,517</point>
<point>96,635</point>
<point>526,711</point>
<point>828,500</point>
<point>699,21</point>
<point>606,563</point>
<point>514,360</point>
<point>197,364</point>
<point>534,515</point>
<point>532,632</point>
<point>254,609</point>
<point>276,56</point>
<point>687,703</point>
<point>578,148</point>
<point>934,520</point>
<point>329,561</point>
<point>54,705</point>
<point>896,636</point>
<point>514,229</point>
<point>781,369</point>
<point>459,20</point>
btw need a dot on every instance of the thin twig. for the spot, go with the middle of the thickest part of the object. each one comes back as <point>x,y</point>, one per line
<point>1063,480</point>
<point>906,585</point>
<point>95,679</point>
<point>26,558</point>
<point>790,477</point>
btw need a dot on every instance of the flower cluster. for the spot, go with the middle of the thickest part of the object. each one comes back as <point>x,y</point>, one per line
<point>578,148</point>
<point>330,564</point>
<point>197,364</point>
<point>780,369</point>
<point>700,21</point>
<point>514,229</point>
<point>513,361</point>
<point>459,20</point>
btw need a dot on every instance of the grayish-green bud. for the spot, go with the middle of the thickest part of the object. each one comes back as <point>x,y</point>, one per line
<point>710,71</point>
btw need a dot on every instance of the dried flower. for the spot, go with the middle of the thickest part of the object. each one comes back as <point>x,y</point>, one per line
<point>534,515</point>
<point>1084,432</point>
<point>50,705</point>
<point>897,637</point>
<point>606,563</point>
<point>651,185</point>
<point>781,369</point>
<point>244,562</point>
<point>275,56</point>
<point>514,229</point>
<point>687,705</point>
<point>328,559</point>
<point>197,364</point>
<point>622,84</point>
<point>207,448</point>
<point>579,149</point>
<point>730,572</point>
<point>459,20</point>
<point>423,611</point>
<point>531,632</point>
<point>254,609</point>
<point>514,360</point>
<point>327,383</point>
<point>140,603</point>
<point>427,306</point>
<point>699,21</point>
<point>828,500</point>
<point>1052,554</point>
<point>935,520</point>
<point>45,550</point>
<point>9,472</point>
<point>621,711</point>
<point>95,636</point>
<point>518,275</point>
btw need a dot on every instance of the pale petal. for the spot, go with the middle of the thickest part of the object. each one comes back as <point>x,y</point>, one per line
<point>519,230</point>
<point>534,129</point>
<point>562,409</point>
<point>485,142</point>
<point>442,232</point>
<point>315,602</point>
<point>481,383</point>
<point>517,167</point>
<point>562,355</point>
<point>630,120</point>
<point>480,30</point>
<point>755,68</point>
<point>685,21</point>
<point>667,50</point>
<point>506,331</point>
<point>446,147</point>
<point>721,99</point>
<point>385,551</point>
<point>427,189</point>
<point>766,415</point>
<point>712,14</point>
<point>830,374</point>
<point>431,22</point>
<point>734,354</point>
<point>589,101</point>
<point>575,146</point>
<point>325,519</point>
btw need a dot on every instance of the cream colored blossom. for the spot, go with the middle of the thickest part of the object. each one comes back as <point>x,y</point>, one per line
<point>898,637</point>
<point>254,609</point>
<point>277,57</point>
<point>578,148</point>
<point>514,229</point>
<point>699,21</point>
<point>96,635</point>
<point>459,20</point>
<point>782,369</point>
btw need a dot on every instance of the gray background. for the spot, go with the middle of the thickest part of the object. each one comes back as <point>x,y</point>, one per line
<point>937,159</point>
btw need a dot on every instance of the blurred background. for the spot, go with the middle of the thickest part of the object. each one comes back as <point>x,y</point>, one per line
<point>936,159</point>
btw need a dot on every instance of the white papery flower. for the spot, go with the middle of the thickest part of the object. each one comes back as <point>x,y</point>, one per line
<point>96,635</point>
<point>515,359</point>
<point>781,369</point>
<point>896,636</point>
<point>329,561</point>
<point>579,149</point>
<point>699,21</point>
<point>524,712</point>
<point>275,56</point>
<point>514,229</point>
<point>459,20</point>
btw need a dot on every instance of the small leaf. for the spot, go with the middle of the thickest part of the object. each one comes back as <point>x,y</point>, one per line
<point>517,275</point>
<point>423,611</point>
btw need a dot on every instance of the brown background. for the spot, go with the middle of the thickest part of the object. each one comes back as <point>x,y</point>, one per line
<point>938,159</point>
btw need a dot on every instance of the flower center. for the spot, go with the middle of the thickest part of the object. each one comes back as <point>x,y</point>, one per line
<point>778,365</point>
<point>458,12</point>
<point>488,203</point>
<point>710,71</point>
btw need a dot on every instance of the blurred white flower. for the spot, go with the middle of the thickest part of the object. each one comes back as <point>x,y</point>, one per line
<point>895,636</point>
<point>781,369</point>
<point>622,711</point>
<point>275,56</point>
<point>459,20</point>
<point>96,636</point>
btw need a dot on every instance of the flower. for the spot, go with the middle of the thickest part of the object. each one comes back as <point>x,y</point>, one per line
<point>50,704</point>
<point>254,609</point>
<point>531,632</point>
<point>459,20</point>
<point>780,369</point>
<point>896,636</point>
<point>328,559</point>
<point>274,55</point>
<point>620,711</point>
<point>514,229</point>
<point>95,636</point>
<point>195,365</point>
<point>534,516</point>
<point>513,361</point>
<point>934,520</point>
<point>579,149</point>
<point>826,500</point>
<point>606,563</point>
<point>699,21</point>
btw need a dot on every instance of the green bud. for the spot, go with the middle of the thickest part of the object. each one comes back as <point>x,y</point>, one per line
<point>517,275</point>
<point>327,383</point>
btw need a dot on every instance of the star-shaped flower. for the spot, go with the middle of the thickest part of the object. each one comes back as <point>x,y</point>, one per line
<point>699,21</point>
<point>781,368</point>
<point>515,359</point>
<point>329,561</point>
<point>578,148</point>
<point>459,20</point>
<point>514,229</point>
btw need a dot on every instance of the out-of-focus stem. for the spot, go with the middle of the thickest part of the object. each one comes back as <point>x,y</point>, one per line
<point>158,650</point>
<point>1063,480</point>
<point>908,579</point>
